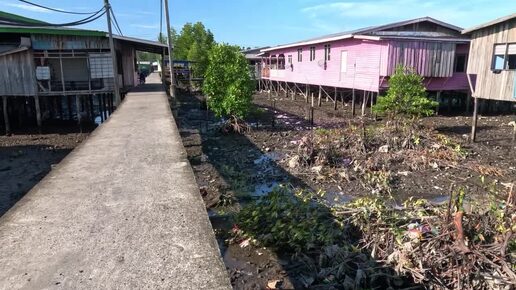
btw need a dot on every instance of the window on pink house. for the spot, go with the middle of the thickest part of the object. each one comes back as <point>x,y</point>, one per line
<point>327,50</point>
<point>312,53</point>
<point>299,55</point>
<point>281,61</point>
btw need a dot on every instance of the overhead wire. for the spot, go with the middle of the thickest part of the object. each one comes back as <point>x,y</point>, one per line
<point>54,9</point>
<point>88,19</point>
<point>115,21</point>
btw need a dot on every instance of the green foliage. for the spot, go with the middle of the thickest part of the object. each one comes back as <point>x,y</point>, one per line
<point>147,56</point>
<point>193,43</point>
<point>227,82</point>
<point>290,222</point>
<point>406,96</point>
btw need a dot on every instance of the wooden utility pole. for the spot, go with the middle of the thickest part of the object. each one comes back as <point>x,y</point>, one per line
<point>107,8</point>
<point>170,58</point>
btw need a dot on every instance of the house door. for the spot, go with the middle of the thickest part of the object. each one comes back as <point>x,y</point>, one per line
<point>343,63</point>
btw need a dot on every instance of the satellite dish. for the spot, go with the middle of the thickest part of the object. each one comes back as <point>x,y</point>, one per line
<point>322,63</point>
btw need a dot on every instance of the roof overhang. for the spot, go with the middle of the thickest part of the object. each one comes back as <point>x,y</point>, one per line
<point>365,33</point>
<point>143,44</point>
<point>490,23</point>
<point>13,51</point>
<point>308,42</point>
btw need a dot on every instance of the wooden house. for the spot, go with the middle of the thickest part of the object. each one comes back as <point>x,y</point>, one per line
<point>361,61</point>
<point>58,71</point>
<point>492,62</point>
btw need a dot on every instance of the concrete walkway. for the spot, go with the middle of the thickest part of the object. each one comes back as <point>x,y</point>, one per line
<point>122,211</point>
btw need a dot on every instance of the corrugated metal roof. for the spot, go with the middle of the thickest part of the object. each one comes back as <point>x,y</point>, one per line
<point>141,44</point>
<point>50,30</point>
<point>365,30</point>
<point>490,23</point>
<point>9,17</point>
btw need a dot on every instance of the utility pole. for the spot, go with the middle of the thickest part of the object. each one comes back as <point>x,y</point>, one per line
<point>170,58</point>
<point>107,8</point>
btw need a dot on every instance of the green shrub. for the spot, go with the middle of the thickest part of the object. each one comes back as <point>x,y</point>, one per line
<point>406,96</point>
<point>227,82</point>
<point>290,222</point>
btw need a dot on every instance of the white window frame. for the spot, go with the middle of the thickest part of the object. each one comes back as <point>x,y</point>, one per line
<point>504,50</point>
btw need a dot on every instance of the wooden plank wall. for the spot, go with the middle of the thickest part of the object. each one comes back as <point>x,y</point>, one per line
<point>17,74</point>
<point>490,85</point>
<point>430,59</point>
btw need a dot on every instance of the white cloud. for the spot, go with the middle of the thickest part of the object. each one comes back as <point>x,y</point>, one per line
<point>146,26</point>
<point>362,13</point>
<point>29,7</point>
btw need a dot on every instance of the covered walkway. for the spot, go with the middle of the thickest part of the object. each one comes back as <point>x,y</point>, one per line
<point>122,211</point>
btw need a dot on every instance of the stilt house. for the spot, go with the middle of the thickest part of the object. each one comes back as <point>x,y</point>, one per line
<point>60,72</point>
<point>362,60</point>
<point>492,63</point>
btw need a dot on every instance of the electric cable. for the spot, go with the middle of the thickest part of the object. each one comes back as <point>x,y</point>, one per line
<point>54,9</point>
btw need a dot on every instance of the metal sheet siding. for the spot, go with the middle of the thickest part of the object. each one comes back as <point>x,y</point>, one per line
<point>54,42</point>
<point>17,74</point>
<point>430,59</point>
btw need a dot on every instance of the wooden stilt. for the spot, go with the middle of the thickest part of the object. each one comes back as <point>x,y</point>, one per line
<point>307,89</point>
<point>364,103</point>
<point>105,106</point>
<point>92,111</point>
<point>69,105</point>
<point>38,112</point>
<point>335,99</point>
<point>78,109</point>
<point>468,102</point>
<point>99,98</point>
<point>312,94</point>
<point>438,98</point>
<point>474,120</point>
<point>353,101</point>
<point>6,116</point>
<point>60,108</point>
<point>111,105</point>
<point>372,102</point>
<point>319,97</point>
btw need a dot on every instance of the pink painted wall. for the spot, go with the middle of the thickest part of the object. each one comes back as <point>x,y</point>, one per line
<point>371,59</point>
<point>367,55</point>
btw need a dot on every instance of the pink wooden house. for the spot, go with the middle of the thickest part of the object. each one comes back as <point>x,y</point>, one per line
<point>361,61</point>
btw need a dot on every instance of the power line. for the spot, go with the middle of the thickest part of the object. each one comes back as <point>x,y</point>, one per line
<point>116,22</point>
<point>54,9</point>
<point>89,19</point>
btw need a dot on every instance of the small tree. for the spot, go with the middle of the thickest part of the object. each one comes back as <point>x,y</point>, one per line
<point>406,96</point>
<point>227,82</point>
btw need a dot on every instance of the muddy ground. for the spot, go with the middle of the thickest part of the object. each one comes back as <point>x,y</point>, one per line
<point>233,169</point>
<point>26,157</point>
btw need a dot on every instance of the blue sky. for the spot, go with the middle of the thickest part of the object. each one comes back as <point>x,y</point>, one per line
<point>268,22</point>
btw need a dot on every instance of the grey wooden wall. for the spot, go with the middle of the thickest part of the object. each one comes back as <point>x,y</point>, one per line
<point>17,73</point>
